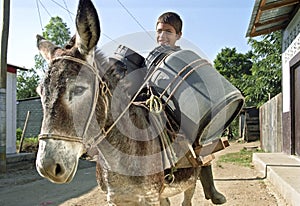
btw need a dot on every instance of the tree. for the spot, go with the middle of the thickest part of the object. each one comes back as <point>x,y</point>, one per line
<point>58,33</point>
<point>266,69</point>
<point>257,74</point>
<point>55,31</point>
<point>233,66</point>
<point>27,81</point>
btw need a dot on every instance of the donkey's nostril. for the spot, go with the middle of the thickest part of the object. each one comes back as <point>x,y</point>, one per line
<point>58,169</point>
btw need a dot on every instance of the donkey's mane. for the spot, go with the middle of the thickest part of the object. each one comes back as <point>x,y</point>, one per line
<point>107,69</point>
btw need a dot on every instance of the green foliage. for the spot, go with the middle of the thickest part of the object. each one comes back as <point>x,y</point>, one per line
<point>27,81</point>
<point>266,69</point>
<point>19,132</point>
<point>28,140</point>
<point>55,31</point>
<point>257,74</point>
<point>233,66</point>
<point>30,144</point>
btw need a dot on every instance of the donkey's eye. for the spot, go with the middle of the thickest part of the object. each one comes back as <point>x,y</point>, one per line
<point>77,91</point>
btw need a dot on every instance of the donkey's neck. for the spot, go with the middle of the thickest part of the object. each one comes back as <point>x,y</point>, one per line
<point>129,144</point>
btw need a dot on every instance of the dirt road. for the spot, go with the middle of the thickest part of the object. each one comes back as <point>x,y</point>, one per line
<point>240,185</point>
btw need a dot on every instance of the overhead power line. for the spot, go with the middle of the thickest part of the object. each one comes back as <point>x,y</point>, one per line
<point>45,8</point>
<point>39,14</point>
<point>135,19</point>
<point>65,7</point>
<point>68,11</point>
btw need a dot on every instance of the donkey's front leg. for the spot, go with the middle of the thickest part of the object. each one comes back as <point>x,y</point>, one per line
<point>188,195</point>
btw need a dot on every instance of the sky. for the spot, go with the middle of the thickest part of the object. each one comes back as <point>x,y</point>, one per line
<point>208,25</point>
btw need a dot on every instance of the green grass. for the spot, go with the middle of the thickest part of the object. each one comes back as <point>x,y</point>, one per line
<point>28,140</point>
<point>242,158</point>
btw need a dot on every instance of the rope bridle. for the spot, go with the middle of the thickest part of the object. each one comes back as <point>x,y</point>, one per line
<point>104,91</point>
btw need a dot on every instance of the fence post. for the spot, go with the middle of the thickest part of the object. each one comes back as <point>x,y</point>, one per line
<point>23,132</point>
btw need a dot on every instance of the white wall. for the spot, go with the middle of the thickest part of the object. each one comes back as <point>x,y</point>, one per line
<point>11,114</point>
<point>291,46</point>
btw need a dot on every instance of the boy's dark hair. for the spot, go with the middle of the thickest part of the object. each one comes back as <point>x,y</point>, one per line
<point>171,18</point>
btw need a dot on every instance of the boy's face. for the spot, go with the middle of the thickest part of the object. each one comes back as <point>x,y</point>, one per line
<point>166,34</point>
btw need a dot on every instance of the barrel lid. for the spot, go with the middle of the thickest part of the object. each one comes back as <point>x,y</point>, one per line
<point>127,59</point>
<point>124,52</point>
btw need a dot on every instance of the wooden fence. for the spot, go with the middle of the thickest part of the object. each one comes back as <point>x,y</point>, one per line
<point>271,125</point>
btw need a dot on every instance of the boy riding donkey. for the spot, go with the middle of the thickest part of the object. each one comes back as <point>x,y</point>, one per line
<point>168,31</point>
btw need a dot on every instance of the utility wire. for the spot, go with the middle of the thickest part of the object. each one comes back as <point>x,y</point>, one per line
<point>68,11</point>
<point>110,38</point>
<point>45,8</point>
<point>135,19</point>
<point>62,7</point>
<point>39,13</point>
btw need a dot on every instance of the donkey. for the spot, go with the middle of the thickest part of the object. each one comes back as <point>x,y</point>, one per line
<point>81,94</point>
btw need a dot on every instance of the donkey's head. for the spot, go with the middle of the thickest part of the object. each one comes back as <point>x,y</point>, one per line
<point>69,95</point>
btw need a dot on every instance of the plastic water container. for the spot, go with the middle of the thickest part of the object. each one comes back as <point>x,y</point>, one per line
<point>204,103</point>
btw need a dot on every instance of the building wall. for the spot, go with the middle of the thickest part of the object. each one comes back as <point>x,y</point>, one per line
<point>11,111</point>
<point>291,46</point>
<point>35,119</point>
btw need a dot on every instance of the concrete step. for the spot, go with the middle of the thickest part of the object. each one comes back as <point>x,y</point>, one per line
<point>283,171</point>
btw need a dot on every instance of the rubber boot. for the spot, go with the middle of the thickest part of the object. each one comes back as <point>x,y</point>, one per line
<point>207,181</point>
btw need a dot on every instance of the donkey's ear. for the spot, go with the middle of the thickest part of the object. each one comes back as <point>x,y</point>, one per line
<point>46,48</point>
<point>88,27</point>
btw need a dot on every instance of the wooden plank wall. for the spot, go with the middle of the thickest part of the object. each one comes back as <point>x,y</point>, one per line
<point>271,125</point>
<point>249,129</point>
<point>252,125</point>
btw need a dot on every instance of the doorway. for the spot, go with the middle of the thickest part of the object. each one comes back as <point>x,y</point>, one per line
<point>295,93</point>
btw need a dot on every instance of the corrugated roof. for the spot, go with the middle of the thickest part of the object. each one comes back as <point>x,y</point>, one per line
<point>271,15</point>
<point>18,67</point>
